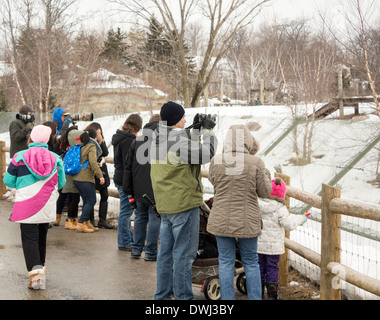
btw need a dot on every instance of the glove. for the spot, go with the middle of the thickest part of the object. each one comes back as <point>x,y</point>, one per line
<point>209,122</point>
<point>132,202</point>
<point>197,124</point>
<point>30,125</point>
<point>306,215</point>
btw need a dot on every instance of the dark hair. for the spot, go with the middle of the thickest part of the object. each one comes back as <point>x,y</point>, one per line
<point>132,124</point>
<point>84,137</point>
<point>91,132</point>
<point>53,127</point>
<point>65,138</point>
<point>95,126</point>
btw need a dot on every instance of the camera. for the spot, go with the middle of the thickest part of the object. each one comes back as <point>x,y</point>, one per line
<point>80,117</point>
<point>26,117</point>
<point>203,116</point>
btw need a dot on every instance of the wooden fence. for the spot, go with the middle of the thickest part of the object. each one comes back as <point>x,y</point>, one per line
<point>332,207</point>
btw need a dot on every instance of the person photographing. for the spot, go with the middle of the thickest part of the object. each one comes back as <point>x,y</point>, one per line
<point>20,129</point>
<point>176,157</point>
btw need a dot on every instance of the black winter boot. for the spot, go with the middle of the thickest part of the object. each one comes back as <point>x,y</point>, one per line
<point>272,289</point>
<point>102,223</point>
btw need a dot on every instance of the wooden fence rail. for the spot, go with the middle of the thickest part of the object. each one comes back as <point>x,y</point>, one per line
<point>332,207</point>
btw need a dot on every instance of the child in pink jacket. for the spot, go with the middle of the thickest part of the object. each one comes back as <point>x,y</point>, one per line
<point>36,174</point>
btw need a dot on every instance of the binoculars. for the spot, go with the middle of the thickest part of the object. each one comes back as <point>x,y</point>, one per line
<point>26,117</point>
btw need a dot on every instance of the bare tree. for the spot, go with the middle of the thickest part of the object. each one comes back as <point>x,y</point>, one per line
<point>357,14</point>
<point>224,20</point>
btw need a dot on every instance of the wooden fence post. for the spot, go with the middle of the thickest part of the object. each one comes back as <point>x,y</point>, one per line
<point>3,165</point>
<point>283,264</point>
<point>330,244</point>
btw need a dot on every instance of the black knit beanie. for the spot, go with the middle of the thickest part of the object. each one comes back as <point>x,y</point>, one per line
<point>171,113</point>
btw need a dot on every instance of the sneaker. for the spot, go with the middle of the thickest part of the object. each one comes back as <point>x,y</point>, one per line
<point>135,255</point>
<point>150,258</point>
<point>126,248</point>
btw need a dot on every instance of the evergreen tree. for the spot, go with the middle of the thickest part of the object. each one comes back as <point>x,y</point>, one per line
<point>163,48</point>
<point>116,47</point>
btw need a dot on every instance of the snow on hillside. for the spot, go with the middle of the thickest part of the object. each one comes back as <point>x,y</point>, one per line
<point>334,144</point>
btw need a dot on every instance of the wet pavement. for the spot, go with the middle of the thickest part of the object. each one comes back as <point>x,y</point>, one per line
<point>79,266</point>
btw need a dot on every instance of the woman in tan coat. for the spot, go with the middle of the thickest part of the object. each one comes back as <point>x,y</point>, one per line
<point>85,181</point>
<point>239,178</point>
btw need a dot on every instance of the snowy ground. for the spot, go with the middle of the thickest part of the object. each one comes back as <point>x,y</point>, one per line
<point>334,144</point>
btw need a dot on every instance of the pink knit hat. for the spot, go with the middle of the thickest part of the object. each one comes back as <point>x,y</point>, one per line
<point>278,188</point>
<point>40,134</point>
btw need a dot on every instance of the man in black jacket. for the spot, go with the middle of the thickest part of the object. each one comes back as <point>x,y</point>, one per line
<point>136,183</point>
<point>20,128</point>
<point>121,142</point>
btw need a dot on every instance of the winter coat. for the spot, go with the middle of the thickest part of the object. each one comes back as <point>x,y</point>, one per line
<point>103,168</point>
<point>176,159</point>
<point>57,118</point>
<point>121,142</point>
<point>37,174</point>
<point>239,178</point>
<point>88,152</point>
<point>70,186</point>
<point>137,180</point>
<point>19,134</point>
<point>276,219</point>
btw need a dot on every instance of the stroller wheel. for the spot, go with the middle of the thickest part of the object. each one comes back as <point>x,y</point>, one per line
<point>211,288</point>
<point>241,285</point>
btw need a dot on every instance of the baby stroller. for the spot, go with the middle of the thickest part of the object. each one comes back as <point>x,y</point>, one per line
<point>205,269</point>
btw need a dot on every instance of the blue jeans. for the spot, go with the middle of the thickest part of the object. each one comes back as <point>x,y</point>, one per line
<point>179,236</point>
<point>250,260</point>
<point>145,216</point>
<point>124,231</point>
<point>88,193</point>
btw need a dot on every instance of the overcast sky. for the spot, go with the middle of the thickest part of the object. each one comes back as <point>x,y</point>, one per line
<point>98,15</point>
<point>283,9</point>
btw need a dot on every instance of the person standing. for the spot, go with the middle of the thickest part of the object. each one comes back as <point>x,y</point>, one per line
<point>121,142</point>
<point>69,191</point>
<point>103,189</point>
<point>276,219</point>
<point>239,178</point>
<point>63,120</point>
<point>176,159</point>
<point>85,182</point>
<point>137,183</point>
<point>36,173</point>
<point>19,130</point>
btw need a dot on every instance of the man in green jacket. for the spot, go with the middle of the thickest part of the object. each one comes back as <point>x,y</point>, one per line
<point>20,128</point>
<point>176,159</point>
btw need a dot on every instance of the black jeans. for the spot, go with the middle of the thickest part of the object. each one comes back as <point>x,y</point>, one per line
<point>33,237</point>
<point>73,201</point>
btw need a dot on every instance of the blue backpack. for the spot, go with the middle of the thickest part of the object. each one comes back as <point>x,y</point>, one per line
<point>72,161</point>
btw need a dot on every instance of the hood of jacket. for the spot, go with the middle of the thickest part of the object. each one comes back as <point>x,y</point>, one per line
<point>268,205</point>
<point>39,160</point>
<point>57,117</point>
<point>119,136</point>
<point>72,136</point>
<point>239,139</point>
<point>149,128</point>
